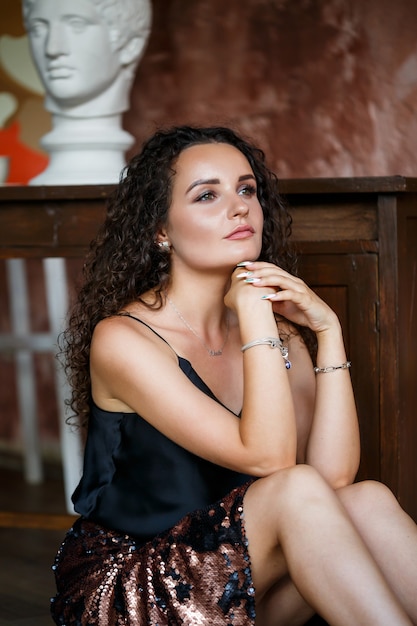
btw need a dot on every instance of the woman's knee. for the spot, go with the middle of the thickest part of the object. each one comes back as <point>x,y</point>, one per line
<point>301,480</point>
<point>294,487</point>
<point>368,497</point>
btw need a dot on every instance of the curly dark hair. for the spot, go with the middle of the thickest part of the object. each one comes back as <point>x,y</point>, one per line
<point>124,261</point>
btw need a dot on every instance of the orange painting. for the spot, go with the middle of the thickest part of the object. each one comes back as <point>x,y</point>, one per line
<point>23,163</point>
<point>23,120</point>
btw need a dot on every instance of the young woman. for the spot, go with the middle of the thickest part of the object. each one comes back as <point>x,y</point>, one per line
<point>217,485</point>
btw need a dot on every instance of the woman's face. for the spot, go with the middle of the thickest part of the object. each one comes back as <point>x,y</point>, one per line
<point>215,219</point>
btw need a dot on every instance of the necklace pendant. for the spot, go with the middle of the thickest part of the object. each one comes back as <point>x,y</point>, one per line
<point>215,352</point>
<point>191,329</point>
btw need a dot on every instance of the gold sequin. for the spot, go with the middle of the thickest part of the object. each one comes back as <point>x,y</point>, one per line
<point>197,573</point>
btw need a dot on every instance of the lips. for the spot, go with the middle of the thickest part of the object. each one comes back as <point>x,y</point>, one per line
<point>241,232</point>
<point>60,71</point>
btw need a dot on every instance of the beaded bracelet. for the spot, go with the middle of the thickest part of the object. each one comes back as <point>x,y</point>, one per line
<point>273,342</point>
<point>332,368</point>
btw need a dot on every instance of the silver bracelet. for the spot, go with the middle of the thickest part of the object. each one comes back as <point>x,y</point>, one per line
<point>273,342</point>
<point>332,368</point>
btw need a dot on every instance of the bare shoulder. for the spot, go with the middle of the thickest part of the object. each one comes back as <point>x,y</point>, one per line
<point>126,332</point>
<point>124,353</point>
<point>122,342</point>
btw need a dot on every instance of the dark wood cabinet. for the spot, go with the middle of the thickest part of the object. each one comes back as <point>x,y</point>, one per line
<point>349,284</point>
<point>357,240</point>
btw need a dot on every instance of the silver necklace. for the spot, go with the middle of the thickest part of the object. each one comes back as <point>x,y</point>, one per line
<point>187,325</point>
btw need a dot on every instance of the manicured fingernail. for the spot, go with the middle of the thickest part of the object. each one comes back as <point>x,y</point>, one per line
<point>243,274</point>
<point>252,280</point>
<point>244,263</point>
<point>268,296</point>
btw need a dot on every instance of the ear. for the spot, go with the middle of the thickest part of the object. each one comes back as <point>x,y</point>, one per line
<point>162,237</point>
<point>131,52</point>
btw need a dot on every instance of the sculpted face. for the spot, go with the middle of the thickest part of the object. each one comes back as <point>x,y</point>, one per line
<point>71,47</point>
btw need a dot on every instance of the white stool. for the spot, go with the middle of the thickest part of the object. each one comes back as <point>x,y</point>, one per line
<point>22,342</point>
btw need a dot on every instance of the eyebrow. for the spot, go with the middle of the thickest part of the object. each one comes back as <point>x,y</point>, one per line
<point>216,181</point>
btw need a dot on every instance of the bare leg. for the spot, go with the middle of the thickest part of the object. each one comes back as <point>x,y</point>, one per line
<point>296,524</point>
<point>282,605</point>
<point>390,535</point>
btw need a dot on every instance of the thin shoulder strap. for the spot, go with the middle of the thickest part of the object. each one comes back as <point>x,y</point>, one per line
<point>126,314</point>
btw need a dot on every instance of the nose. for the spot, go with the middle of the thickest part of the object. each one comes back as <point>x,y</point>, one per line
<point>239,206</point>
<point>56,41</point>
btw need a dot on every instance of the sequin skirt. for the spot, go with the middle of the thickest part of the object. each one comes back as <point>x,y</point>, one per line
<point>196,574</point>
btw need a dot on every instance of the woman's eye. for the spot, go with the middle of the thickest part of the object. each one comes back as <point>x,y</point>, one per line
<point>207,195</point>
<point>247,190</point>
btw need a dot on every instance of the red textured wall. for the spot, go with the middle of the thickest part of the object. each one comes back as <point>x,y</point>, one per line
<point>327,87</point>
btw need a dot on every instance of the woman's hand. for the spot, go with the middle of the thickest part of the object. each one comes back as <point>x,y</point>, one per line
<point>241,296</point>
<point>290,296</point>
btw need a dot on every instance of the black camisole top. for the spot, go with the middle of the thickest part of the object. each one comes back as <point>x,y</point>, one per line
<point>138,481</point>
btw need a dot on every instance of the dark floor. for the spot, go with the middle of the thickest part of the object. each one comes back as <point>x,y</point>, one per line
<point>28,544</point>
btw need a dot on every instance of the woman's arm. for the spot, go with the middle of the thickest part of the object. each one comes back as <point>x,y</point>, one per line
<point>332,444</point>
<point>268,418</point>
<point>327,426</point>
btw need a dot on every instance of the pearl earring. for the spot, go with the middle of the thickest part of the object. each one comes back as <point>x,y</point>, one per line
<point>164,244</point>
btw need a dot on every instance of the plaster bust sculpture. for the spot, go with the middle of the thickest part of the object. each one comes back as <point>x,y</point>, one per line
<point>86,53</point>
